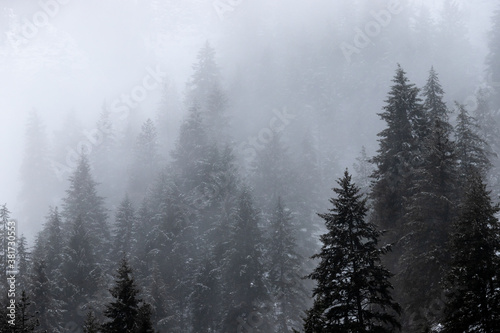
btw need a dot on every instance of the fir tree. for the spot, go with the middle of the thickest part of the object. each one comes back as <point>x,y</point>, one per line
<point>353,288</point>
<point>470,147</point>
<point>124,313</point>
<point>82,201</point>
<point>26,318</point>
<point>44,299</point>
<point>285,271</point>
<point>429,212</point>
<point>146,160</point>
<point>36,172</point>
<point>91,324</point>
<point>123,237</point>
<point>23,263</point>
<point>473,280</point>
<point>80,271</point>
<point>243,271</point>
<point>364,170</point>
<point>399,153</point>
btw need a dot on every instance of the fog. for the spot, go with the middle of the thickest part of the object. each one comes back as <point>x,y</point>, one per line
<point>188,112</point>
<point>94,51</point>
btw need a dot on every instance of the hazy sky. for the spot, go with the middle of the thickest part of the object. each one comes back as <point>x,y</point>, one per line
<point>91,51</point>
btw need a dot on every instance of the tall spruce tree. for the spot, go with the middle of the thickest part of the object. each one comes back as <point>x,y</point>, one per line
<point>429,212</point>
<point>398,155</point>
<point>145,165</point>
<point>353,292</point>
<point>243,270</point>
<point>124,231</point>
<point>82,201</point>
<point>473,280</point>
<point>285,272</point>
<point>471,149</point>
<point>125,313</point>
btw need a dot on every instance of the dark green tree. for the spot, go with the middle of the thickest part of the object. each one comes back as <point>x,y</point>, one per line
<point>285,271</point>
<point>44,300</point>
<point>91,324</point>
<point>124,312</point>
<point>353,292</point>
<point>145,165</point>
<point>429,212</point>
<point>82,201</point>
<point>243,271</point>
<point>124,230</point>
<point>79,271</point>
<point>27,320</point>
<point>473,280</point>
<point>471,149</point>
<point>399,153</point>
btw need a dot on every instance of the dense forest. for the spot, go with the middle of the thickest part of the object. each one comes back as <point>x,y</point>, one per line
<point>224,223</point>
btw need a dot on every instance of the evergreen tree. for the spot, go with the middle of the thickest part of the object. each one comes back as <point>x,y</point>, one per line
<point>243,272</point>
<point>473,280</point>
<point>23,263</point>
<point>285,271</point>
<point>353,288</point>
<point>82,201</point>
<point>36,173</point>
<point>470,147</point>
<point>80,272</point>
<point>146,160</point>
<point>124,313</point>
<point>123,237</point>
<point>54,243</point>
<point>272,173</point>
<point>429,212</point>
<point>364,170</point>
<point>44,299</point>
<point>398,155</point>
<point>91,324</point>
<point>26,318</point>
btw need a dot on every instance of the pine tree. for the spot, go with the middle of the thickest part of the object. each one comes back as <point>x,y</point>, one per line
<point>353,288</point>
<point>80,271</point>
<point>123,237</point>
<point>91,324</point>
<point>124,313</point>
<point>146,161</point>
<point>27,320</point>
<point>36,173</point>
<point>82,201</point>
<point>285,271</point>
<point>429,212</point>
<point>44,299</point>
<point>398,155</point>
<point>23,263</point>
<point>364,170</point>
<point>243,272</point>
<point>473,280</point>
<point>470,147</point>
<point>54,243</point>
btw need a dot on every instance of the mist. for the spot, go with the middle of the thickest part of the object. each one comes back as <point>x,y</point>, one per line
<point>299,90</point>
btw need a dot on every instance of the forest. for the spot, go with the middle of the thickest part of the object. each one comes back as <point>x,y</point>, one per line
<point>335,180</point>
